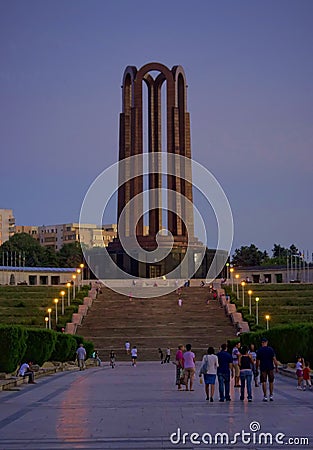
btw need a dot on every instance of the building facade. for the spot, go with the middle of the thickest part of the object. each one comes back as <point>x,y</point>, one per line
<point>7,225</point>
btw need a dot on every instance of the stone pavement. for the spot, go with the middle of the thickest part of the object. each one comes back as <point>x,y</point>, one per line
<point>139,408</point>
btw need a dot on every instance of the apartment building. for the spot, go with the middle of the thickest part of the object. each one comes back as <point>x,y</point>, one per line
<point>28,229</point>
<point>89,235</point>
<point>7,224</point>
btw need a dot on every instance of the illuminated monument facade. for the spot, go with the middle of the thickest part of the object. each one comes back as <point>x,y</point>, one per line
<point>145,135</point>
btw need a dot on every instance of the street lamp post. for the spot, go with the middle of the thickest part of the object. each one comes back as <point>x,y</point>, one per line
<point>78,279</point>
<point>267,318</point>
<point>68,285</point>
<point>227,271</point>
<point>237,280</point>
<point>49,317</point>
<point>46,321</point>
<point>56,301</point>
<point>250,306</point>
<point>243,293</point>
<point>62,293</point>
<point>74,281</point>
<point>232,278</point>
<point>257,310</point>
<point>82,269</point>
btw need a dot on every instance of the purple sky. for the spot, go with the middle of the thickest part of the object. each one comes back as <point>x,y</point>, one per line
<point>249,68</point>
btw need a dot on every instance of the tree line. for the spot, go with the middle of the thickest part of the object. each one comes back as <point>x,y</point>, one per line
<point>23,250</point>
<point>251,256</point>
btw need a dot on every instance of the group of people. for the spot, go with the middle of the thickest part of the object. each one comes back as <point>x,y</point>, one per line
<point>242,363</point>
<point>167,358</point>
<point>303,373</point>
<point>132,351</point>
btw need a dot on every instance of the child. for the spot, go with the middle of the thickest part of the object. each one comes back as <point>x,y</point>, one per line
<point>134,355</point>
<point>299,372</point>
<point>112,359</point>
<point>307,376</point>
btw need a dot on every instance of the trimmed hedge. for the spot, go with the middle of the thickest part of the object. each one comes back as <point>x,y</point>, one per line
<point>65,348</point>
<point>13,346</point>
<point>288,341</point>
<point>19,344</point>
<point>40,345</point>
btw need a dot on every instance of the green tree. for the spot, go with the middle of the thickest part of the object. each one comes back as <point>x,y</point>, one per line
<point>70,255</point>
<point>24,245</point>
<point>248,256</point>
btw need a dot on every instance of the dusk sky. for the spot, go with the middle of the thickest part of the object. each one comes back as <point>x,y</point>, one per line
<point>249,68</point>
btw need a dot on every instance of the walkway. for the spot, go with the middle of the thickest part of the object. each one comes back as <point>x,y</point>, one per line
<point>138,408</point>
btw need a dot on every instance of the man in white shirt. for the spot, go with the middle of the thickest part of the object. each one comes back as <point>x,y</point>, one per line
<point>81,356</point>
<point>26,371</point>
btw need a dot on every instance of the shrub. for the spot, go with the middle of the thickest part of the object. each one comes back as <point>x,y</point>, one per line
<point>13,345</point>
<point>65,348</point>
<point>40,345</point>
<point>89,347</point>
<point>288,341</point>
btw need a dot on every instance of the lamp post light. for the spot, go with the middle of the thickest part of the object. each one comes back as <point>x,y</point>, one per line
<point>74,281</point>
<point>68,285</point>
<point>56,301</point>
<point>257,310</point>
<point>78,271</point>
<point>231,270</point>
<point>82,269</point>
<point>227,271</point>
<point>237,280</point>
<point>243,293</point>
<point>250,306</point>
<point>49,317</point>
<point>62,293</point>
<point>46,321</point>
<point>267,318</point>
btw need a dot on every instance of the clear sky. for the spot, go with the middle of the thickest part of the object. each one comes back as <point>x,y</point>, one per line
<point>249,67</point>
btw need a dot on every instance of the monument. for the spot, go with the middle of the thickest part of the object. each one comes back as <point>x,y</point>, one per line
<point>156,216</point>
<point>165,140</point>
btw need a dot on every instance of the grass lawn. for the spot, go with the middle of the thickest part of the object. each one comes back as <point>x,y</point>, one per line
<point>27,305</point>
<point>285,303</point>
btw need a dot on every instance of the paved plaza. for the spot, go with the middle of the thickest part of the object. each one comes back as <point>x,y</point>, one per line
<point>140,408</point>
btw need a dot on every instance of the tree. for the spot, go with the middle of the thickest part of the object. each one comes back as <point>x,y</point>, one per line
<point>25,249</point>
<point>248,256</point>
<point>70,255</point>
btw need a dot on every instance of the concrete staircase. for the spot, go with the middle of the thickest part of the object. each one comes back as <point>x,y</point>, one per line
<point>150,323</point>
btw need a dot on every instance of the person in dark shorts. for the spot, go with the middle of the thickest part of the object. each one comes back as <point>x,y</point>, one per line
<point>266,359</point>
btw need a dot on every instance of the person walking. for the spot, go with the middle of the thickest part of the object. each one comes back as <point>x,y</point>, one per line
<point>81,356</point>
<point>209,370</point>
<point>112,359</point>
<point>179,362</point>
<point>245,363</point>
<point>252,352</point>
<point>224,371</point>
<point>235,355</point>
<point>266,359</point>
<point>189,367</point>
<point>134,355</point>
<point>127,347</point>
<point>307,376</point>
<point>161,355</point>
<point>168,355</point>
<point>299,373</point>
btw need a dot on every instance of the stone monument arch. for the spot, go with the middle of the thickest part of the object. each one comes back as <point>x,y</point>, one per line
<point>170,140</point>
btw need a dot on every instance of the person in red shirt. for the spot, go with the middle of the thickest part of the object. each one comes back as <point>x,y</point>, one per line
<point>179,366</point>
